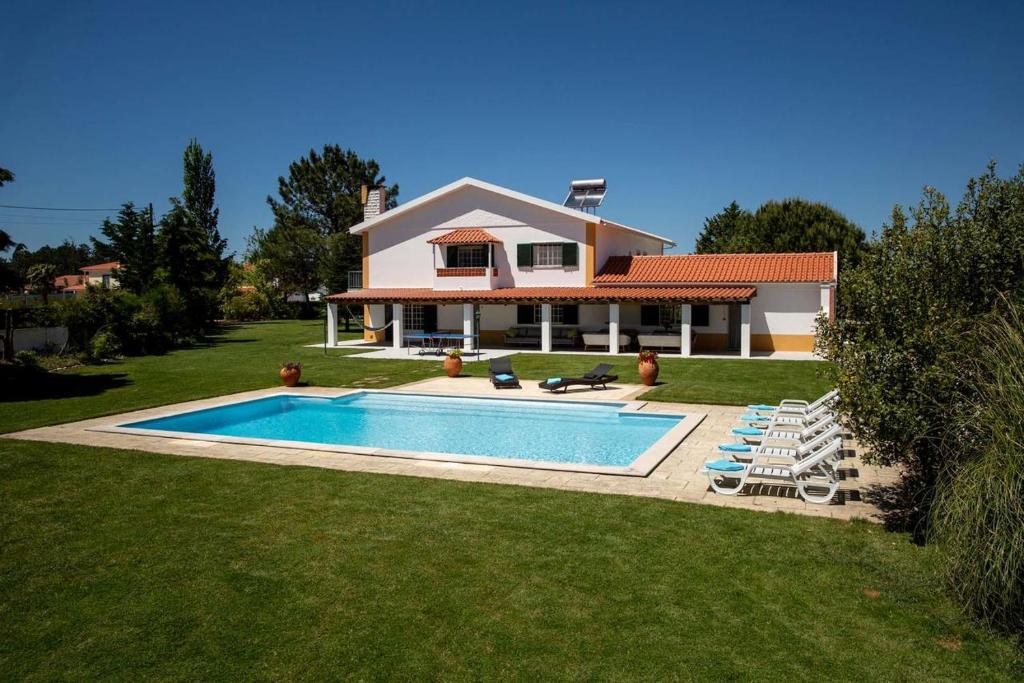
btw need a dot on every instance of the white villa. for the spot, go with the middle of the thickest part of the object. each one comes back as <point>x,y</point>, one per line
<point>512,270</point>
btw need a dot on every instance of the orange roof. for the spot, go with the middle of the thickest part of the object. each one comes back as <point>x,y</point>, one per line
<point>465,236</point>
<point>76,288</point>
<point>718,268</point>
<point>65,281</point>
<point>548,294</point>
<point>111,265</point>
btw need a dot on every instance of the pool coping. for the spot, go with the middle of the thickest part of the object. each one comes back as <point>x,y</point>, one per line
<point>642,466</point>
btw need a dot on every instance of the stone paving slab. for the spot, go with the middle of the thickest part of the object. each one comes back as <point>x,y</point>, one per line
<point>676,478</point>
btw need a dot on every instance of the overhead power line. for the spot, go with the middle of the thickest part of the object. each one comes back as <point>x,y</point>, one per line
<point>50,208</point>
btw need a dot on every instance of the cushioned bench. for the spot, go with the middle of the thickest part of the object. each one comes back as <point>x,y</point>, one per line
<point>529,335</point>
<point>602,339</point>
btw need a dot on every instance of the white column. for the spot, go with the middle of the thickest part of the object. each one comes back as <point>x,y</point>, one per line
<point>826,300</point>
<point>467,325</point>
<point>397,327</point>
<point>332,324</point>
<point>545,328</point>
<point>745,330</point>
<point>686,319</point>
<point>613,328</point>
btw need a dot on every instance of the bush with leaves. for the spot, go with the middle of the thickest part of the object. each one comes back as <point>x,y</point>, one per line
<point>901,344</point>
<point>150,323</point>
<point>979,511</point>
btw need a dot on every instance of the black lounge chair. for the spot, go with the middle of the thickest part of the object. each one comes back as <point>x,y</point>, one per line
<point>502,366</point>
<point>597,377</point>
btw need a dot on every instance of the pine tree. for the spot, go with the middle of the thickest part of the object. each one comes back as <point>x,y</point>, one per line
<point>131,241</point>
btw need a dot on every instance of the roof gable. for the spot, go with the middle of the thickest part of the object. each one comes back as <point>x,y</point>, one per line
<point>719,268</point>
<point>467,182</point>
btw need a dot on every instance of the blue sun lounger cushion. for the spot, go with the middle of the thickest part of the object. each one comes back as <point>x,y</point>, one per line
<point>503,377</point>
<point>747,431</point>
<point>755,418</point>
<point>761,406</point>
<point>734,447</point>
<point>724,466</point>
<point>553,380</point>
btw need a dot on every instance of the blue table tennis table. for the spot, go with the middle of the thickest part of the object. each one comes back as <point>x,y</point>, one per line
<point>436,342</point>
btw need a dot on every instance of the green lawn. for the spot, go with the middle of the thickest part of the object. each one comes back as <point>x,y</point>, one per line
<point>119,564</point>
<point>248,357</point>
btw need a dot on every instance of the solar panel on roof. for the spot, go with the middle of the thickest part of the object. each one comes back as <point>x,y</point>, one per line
<point>586,194</point>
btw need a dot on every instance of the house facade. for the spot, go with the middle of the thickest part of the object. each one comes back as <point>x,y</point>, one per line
<point>100,275</point>
<point>513,270</point>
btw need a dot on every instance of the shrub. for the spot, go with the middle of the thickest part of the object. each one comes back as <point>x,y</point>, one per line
<point>28,359</point>
<point>900,345</point>
<point>979,510</point>
<point>104,344</point>
<point>247,306</point>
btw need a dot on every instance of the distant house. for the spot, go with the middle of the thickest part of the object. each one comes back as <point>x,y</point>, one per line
<point>100,275</point>
<point>514,270</point>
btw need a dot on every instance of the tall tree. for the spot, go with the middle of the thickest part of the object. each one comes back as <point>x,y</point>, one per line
<point>131,241</point>
<point>68,257</point>
<point>790,225</point>
<point>41,277</point>
<point>722,230</point>
<point>322,193</point>
<point>9,279</point>
<point>189,243</point>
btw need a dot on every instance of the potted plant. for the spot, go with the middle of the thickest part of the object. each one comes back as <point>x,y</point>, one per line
<point>290,373</point>
<point>648,367</point>
<point>453,362</point>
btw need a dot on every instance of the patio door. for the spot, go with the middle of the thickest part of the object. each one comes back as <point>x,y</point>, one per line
<point>734,328</point>
<point>389,334</point>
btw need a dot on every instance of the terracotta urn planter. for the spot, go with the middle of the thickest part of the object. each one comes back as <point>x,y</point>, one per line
<point>290,374</point>
<point>648,368</point>
<point>453,363</point>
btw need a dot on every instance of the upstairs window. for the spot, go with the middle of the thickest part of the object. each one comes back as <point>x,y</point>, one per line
<point>547,254</point>
<point>472,256</point>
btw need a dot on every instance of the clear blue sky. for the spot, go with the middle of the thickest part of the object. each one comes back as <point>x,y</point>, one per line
<point>683,108</point>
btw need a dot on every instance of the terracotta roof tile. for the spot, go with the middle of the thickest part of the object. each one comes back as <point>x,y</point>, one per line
<point>548,294</point>
<point>718,268</point>
<point>64,281</point>
<point>465,236</point>
<point>110,265</point>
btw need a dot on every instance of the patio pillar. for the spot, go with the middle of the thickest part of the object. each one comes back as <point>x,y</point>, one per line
<point>685,336</point>
<point>397,326</point>
<point>467,325</point>
<point>745,330</point>
<point>545,328</point>
<point>613,328</point>
<point>332,324</point>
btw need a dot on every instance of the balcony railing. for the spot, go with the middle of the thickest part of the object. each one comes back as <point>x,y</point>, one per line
<point>465,272</point>
<point>355,279</point>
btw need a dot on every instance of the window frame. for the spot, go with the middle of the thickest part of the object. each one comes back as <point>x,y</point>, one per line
<point>463,251</point>
<point>412,313</point>
<point>549,249</point>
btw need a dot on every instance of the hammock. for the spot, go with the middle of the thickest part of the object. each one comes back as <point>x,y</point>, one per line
<point>352,316</point>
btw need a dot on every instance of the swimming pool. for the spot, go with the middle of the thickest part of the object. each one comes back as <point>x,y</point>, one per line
<point>588,436</point>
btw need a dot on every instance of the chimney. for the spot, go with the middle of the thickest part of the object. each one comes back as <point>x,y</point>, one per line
<point>374,200</point>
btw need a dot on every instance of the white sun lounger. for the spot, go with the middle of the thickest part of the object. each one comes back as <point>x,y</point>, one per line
<point>818,470</point>
<point>790,434</point>
<point>790,454</point>
<point>794,406</point>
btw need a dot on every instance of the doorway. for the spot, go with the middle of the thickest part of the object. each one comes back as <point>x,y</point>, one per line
<point>734,328</point>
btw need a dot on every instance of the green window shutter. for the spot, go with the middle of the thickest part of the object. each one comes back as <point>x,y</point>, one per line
<point>430,318</point>
<point>650,316</point>
<point>524,255</point>
<point>524,314</point>
<point>570,254</point>
<point>452,260</point>
<point>700,315</point>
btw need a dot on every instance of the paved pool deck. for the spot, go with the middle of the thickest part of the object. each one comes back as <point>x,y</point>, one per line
<point>677,477</point>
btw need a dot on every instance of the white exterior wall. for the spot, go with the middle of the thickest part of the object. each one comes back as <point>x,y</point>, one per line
<point>785,309</point>
<point>401,257</point>
<point>614,242</point>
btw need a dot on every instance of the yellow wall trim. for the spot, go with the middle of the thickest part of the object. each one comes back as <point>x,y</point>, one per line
<point>367,334</point>
<point>782,342</point>
<point>590,255</point>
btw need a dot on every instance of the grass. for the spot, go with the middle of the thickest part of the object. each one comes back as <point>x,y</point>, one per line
<point>118,564</point>
<point>247,357</point>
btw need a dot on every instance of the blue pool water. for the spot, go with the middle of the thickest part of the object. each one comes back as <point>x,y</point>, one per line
<point>562,432</point>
